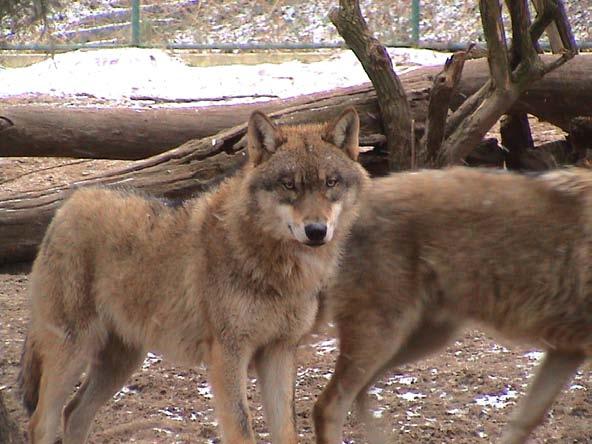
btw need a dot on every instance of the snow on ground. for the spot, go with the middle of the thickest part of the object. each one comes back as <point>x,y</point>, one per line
<point>136,74</point>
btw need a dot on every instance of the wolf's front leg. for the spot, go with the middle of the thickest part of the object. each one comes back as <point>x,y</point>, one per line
<point>227,371</point>
<point>276,369</point>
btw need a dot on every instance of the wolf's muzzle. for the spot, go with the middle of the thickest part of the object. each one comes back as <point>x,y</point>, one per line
<point>316,233</point>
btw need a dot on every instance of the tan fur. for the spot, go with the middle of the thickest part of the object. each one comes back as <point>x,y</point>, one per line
<point>221,279</point>
<point>432,250</point>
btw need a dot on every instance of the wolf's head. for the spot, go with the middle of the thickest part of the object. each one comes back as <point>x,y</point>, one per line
<point>305,180</point>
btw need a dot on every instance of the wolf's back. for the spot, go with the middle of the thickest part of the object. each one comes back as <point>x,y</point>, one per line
<point>575,182</point>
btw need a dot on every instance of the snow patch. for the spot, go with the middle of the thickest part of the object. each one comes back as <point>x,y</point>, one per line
<point>149,77</point>
<point>127,390</point>
<point>376,392</point>
<point>326,347</point>
<point>401,379</point>
<point>205,390</point>
<point>534,355</point>
<point>411,396</point>
<point>497,401</point>
<point>150,360</point>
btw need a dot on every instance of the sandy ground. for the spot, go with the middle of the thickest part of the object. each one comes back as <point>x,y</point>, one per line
<point>463,395</point>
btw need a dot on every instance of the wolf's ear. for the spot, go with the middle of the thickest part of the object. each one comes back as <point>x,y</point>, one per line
<point>344,131</point>
<point>264,137</point>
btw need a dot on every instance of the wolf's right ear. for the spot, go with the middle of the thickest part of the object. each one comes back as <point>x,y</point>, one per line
<point>344,132</point>
<point>263,137</point>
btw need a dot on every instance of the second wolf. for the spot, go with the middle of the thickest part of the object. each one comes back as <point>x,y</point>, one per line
<point>227,278</point>
<point>433,250</point>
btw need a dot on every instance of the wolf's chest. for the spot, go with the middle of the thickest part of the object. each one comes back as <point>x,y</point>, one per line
<point>286,319</point>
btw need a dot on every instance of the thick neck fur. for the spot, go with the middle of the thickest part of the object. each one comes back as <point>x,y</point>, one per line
<point>273,266</point>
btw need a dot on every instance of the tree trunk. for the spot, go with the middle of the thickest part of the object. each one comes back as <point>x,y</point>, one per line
<point>516,137</point>
<point>121,133</point>
<point>391,97</point>
<point>134,134</point>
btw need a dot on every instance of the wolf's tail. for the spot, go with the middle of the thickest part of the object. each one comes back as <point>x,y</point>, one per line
<point>29,376</point>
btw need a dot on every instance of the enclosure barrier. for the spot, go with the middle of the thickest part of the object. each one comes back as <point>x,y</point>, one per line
<point>414,40</point>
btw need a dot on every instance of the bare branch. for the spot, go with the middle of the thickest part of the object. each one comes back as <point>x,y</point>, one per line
<point>563,27</point>
<point>553,12</point>
<point>509,79</point>
<point>392,101</point>
<point>497,50</point>
<point>523,49</point>
<point>471,130</point>
<point>544,22</point>
<point>468,107</point>
<point>546,11</point>
<point>445,85</point>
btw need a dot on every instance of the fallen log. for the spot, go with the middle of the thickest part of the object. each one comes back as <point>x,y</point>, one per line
<point>177,174</point>
<point>116,133</point>
<point>198,164</point>
<point>192,167</point>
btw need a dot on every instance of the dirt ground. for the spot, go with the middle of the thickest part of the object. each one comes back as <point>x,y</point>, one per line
<point>463,395</point>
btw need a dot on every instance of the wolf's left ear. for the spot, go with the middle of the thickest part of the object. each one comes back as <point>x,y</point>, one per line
<point>344,132</point>
<point>263,137</point>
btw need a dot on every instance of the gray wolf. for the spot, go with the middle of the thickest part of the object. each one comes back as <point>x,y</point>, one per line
<point>229,278</point>
<point>434,250</point>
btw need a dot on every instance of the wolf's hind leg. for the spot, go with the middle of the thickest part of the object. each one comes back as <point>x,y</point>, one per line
<point>107,373</point>
<point>367,344</point>
<point>61,369</point>
<point>276,368</point>
<point>552,375</point>
<point>429,337</point>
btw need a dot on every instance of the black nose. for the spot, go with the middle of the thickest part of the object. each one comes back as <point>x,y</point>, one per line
<point>316,232</point>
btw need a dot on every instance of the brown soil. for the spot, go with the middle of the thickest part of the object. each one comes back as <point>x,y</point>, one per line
<point>437,400</point>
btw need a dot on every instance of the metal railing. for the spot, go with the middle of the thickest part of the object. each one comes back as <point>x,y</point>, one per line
<point>136,23</point>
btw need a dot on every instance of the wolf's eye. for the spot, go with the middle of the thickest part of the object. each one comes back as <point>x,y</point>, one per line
<point>288,184</point>
<point>331,182</point>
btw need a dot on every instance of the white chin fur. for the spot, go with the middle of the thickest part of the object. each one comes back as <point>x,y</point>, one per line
<point>296,230</point>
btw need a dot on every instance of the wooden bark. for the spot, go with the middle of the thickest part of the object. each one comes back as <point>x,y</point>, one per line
<point>391,97</point>
<point>551,31</point>
<point>516,138</point>
<point>133,134</point>
<point>191,168</point>
<point>445,86</point>
<point>196,165</point>
<point>580,138</point>
<point>121,133</point>
<point>556,98</point>
<point>487,154</point>
<point>510,76</point>
<point>178,173</point>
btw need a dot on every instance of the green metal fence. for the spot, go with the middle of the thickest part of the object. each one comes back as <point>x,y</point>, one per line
<point>136,23</point>
<point>404,24</point>
<point>415,14</point>
<point>414,38</point>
